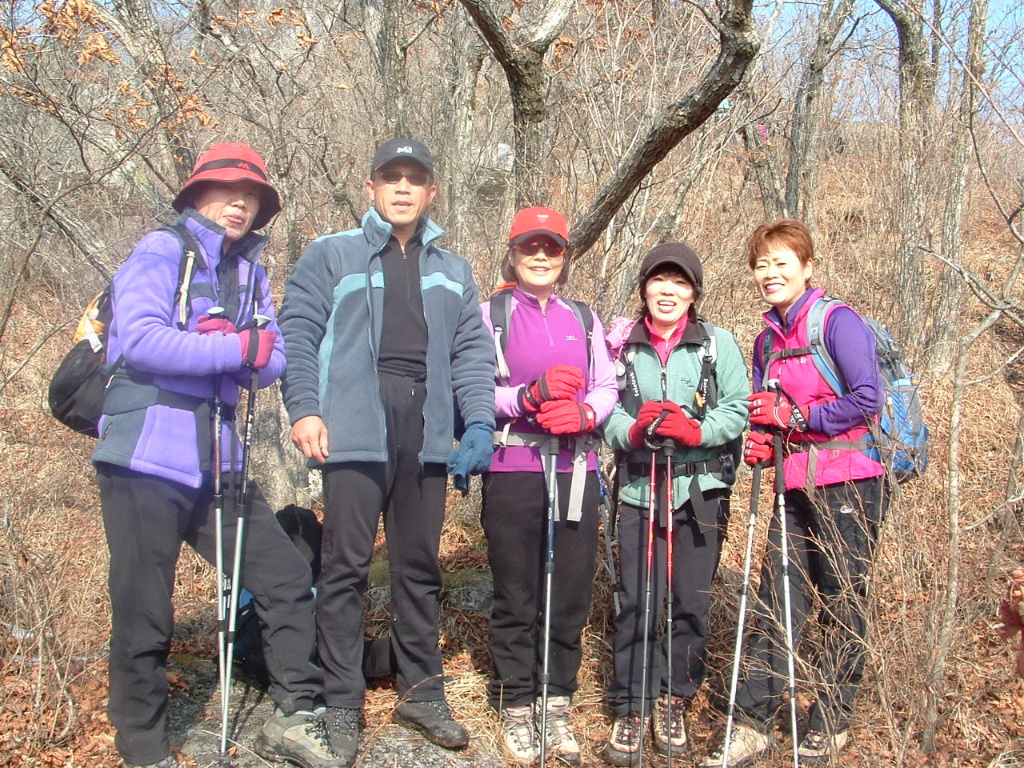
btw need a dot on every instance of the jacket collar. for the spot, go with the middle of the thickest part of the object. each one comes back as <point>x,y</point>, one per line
<point>211,237</point>
<point>378,231</point>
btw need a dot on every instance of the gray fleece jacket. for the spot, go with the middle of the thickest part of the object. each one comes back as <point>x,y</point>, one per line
<point>331,319</point>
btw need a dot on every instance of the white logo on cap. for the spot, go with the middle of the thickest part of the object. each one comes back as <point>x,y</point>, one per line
<point>542,217</point>
<point>404,151</point>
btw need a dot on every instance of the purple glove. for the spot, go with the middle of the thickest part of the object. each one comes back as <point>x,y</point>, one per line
<point>257,347</point>
<point>208,325</point>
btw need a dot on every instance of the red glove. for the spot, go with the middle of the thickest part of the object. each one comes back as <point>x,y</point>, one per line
<point>566,417</point>
<point>208,325</point>
<point>679,427</point>
<point>770,409</point>
<point>758,449</point>
<point>559,382</point>
<point>257,346</point>
<point>649,413</point>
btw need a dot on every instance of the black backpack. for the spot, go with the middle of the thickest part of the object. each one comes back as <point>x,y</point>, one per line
<point>79,384</point>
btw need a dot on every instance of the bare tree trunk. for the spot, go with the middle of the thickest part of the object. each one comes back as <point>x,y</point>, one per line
<point>738,46</point>
<point>917,96</point>
<point>769,180</point>
<point>520,52</point>
<point>382,20</point>
<point>948,305</point>
<point>805,129</point>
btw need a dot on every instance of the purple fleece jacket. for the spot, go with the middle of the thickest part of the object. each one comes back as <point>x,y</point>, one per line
<point>537,339</point>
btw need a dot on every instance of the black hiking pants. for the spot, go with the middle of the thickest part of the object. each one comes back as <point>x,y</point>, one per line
<point>831,545</point>
<point>514,516</point>
<point>146,520</point>
<point>696,550</point>
<point>412,496</point>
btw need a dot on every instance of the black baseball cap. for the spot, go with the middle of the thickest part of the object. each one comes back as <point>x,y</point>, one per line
<point>402,149</point>
<point>678,254</point>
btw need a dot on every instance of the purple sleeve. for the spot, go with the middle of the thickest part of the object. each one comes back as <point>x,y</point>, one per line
<point>150,341</point>
<point>852,345</point>
<point>602,388</point>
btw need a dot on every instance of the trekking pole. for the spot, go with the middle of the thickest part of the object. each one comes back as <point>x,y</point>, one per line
<point>780,506</point>
<point>223,584</point>
<point>606,523</point>
<point>243,505</point>
<point>551,456</point>
<point>755,491</point>
<point>648,579</point>
<point>669,449</point>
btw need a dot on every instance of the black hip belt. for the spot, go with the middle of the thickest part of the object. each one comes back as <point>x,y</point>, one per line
<point>682,468</point>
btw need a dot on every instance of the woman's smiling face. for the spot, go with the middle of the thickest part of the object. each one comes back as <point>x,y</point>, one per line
<point>781,277</point>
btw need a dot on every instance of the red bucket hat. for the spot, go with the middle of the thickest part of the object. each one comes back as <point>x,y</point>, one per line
<point>530,222</point>
<point>232,161</point>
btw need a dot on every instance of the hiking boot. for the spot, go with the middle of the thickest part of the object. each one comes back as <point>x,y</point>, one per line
<point>434,720</point>
<point>561,742</point>
<point>817,747</point>
<point>669,724</point>
<point>623,747</point>
<point>521,742</point>
<point>747,744</point>
<point>299,738</point>
<point>167,762</point>
<point>343,732</point>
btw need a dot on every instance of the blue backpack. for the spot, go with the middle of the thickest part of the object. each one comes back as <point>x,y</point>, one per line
<point>900,440</point>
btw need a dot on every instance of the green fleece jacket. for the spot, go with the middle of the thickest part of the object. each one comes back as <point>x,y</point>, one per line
<point>677,381</point>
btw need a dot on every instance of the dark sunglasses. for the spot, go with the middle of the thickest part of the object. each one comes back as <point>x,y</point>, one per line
<point>552,250</point>
<point>416,178</point>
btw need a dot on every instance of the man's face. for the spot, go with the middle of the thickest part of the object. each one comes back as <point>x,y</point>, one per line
<point>397,199</point>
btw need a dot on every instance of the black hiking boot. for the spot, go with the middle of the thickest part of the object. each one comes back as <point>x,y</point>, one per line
<point>434,720</point>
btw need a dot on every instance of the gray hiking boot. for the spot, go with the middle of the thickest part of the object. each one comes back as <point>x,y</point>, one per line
<point>623,747</point>
<point>818,748</point>
<point>434,720</point>
<point>561,741</point>
<point>343,730</point>
<point>168,762</point>
<point>520,735</point>
<point>299,738</point>
<point>669,724</point>
<point>746,745</point>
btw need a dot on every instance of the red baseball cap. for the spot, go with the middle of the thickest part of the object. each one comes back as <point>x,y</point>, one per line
<point>232,161</point>
<point>531,222</point>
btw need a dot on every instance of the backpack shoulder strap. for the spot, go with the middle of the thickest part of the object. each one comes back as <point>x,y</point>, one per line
<point>585,316</point>
<point>707,388</point>
<point>191,261</point>
<point>819,313</point>
<point>501,313</point>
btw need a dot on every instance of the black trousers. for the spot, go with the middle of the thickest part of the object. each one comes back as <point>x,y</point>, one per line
<point>514,517</point>
<point>412,497</point>
<point>696,550</point>
<point>831,545</point>
<point>146,520</point>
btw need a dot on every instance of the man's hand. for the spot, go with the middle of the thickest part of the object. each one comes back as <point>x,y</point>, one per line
<point>473,456</point>
<point>309,434</point>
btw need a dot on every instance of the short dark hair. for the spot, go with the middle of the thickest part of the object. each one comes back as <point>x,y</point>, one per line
<point>789,233</point>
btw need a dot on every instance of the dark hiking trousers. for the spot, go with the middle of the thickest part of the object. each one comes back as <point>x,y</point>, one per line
<point>514,517</point>
<point>412,497</point>
<point>146,520</point>
<point>831,546</point>
<point>696,552</point>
